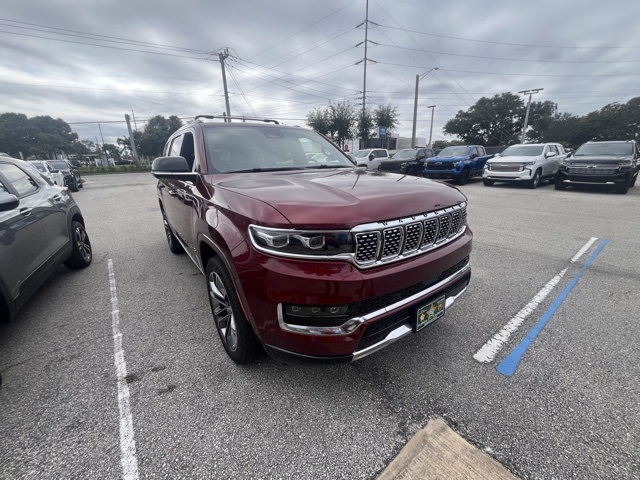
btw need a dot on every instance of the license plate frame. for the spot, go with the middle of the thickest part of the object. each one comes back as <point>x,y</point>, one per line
<point>428,313</point>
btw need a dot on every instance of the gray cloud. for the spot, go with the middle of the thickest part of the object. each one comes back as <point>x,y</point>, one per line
<point>288,58</point>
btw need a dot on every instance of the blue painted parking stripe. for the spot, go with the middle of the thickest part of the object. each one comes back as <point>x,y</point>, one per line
<point>508,366</point>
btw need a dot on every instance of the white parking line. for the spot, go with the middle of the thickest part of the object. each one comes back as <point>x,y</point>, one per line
<point>489,350</point>
<point>128,458</point>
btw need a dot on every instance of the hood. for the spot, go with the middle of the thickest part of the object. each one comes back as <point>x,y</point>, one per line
<point>448,159</point>
<point>515,159</point>
<point>342,198</point>
<point>597,159</point>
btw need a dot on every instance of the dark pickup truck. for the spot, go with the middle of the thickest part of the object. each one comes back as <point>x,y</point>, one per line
<point>457,163</point>
<point>408,161</point>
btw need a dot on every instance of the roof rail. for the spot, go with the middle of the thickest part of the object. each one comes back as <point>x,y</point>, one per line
<point>243,118</point>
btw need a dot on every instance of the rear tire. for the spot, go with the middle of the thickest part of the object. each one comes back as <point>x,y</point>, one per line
<point>172,240</point>
<point>233,327</point>
<point>82,253</point>
<point>633,180</point>
<point>488,183</point>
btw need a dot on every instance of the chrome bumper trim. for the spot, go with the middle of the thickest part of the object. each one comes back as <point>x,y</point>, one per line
<point>354,323</point>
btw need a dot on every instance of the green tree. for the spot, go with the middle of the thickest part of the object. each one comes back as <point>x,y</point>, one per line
<point>158,129</point>
<point>342,120</point>
<point>541,115</point>
<point>570,130</point>
<point>441,144</point>
<point>16,134</point>
<point>111,150</point>
<point>51,136</point>
<point>365,125</point>
<point>386,116</point>
<point>319,120</point>
<point>491,121</point>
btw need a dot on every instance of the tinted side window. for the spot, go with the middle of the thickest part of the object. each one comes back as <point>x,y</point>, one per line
<point>22,182</point>
<point>2,187</point>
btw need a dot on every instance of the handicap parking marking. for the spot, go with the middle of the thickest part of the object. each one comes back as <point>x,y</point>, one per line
<point>488,352</point>
<point>508,366</point>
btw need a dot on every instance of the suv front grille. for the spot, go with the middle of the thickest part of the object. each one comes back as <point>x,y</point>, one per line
<point>402,238</point>
<point>593,171</point>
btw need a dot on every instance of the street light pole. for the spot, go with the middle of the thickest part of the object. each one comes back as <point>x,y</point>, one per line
<point>415,105</point>
<point>432,107</point>
<point>526,116</point>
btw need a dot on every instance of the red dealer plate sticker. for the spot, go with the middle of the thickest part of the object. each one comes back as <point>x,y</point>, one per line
<point>429,313</point>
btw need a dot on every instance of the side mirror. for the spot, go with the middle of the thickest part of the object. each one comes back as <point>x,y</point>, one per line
<point>54,170</point>
<point>474,155</point>
<point>371,156</point>
<point>550,154</point>
<point>173,168</point>
<point>8,201</point>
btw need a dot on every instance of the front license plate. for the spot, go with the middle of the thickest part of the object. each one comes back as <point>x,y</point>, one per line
<point>429,313</point>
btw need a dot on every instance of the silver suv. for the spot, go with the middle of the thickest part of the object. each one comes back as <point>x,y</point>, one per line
<point>41,228</point>
<point>524,163</point>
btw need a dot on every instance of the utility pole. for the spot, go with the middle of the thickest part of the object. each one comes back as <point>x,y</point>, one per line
<point>365,59</point>
<point>132,140</point>
<point>526,116</point>
<point>222,56</point>
<point>415,105</point>
<point>432,107</point>
<point>135,125</point>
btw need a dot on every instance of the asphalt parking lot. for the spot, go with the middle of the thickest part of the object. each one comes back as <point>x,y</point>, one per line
<point>555,394</point>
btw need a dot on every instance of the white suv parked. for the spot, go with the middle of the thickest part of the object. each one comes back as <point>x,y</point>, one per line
<point>371,157</point>
<point>524,163</point>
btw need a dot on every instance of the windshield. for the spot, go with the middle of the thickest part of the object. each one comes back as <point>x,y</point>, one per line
<point>263,148</point>
<point>40,167</point>
<point>407,154</point>
<point>453,152</point>
<point>361,153</point>
<point>607,149</point>
<point>522,151</point>
<point>58,165</point>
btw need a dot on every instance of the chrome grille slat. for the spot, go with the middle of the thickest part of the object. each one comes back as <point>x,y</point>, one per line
<point>395,240</point>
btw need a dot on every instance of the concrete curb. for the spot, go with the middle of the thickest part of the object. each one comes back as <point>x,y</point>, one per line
<point>437,452</point>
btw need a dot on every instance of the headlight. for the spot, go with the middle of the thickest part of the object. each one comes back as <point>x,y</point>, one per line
<point>524,165</point>
<point>457,164</point>
<point>624,163</point>
<point>301,242</point>
<point>487,166</point>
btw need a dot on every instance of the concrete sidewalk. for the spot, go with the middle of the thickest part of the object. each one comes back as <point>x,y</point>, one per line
<point>437,452</point>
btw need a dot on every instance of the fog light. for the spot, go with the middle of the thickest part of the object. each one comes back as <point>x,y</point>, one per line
<point>316,310</point>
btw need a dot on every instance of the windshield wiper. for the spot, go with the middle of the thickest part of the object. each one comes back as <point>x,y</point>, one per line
<point>265,169</point>
<point>324,165</point>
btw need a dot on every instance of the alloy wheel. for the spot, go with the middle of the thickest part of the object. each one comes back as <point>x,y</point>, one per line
<point>82,241</point>
<point>222,311</point>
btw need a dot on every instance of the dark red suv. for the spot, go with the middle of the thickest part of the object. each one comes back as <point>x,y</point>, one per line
<point>305,255</point>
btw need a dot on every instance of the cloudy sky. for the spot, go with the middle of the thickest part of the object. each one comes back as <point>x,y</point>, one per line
<point>91,62</point>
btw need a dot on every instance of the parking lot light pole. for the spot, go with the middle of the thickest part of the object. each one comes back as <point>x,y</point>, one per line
<point>415,105</point>
<point>526,116</point>
<point>432,107</point>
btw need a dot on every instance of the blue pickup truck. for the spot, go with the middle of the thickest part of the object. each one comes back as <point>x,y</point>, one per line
<point>457,163</point>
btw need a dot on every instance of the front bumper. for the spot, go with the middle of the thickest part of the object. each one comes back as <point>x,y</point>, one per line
<point>523,176</point>
<point>383,300</point>
<point>442,174</point>
<point>594,176</point>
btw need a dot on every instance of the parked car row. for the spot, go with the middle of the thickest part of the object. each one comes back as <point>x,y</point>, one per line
<point>614,163</point>
<point>59,172</point>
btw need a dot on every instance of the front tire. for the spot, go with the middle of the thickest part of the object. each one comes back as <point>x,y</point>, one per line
<point>233,328</point>
<point>535,181</point>
<point>464,177</point>
<point>559,184</point>
<point>82,253</point>
<point>622,189</point>
<point>488,183</point>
